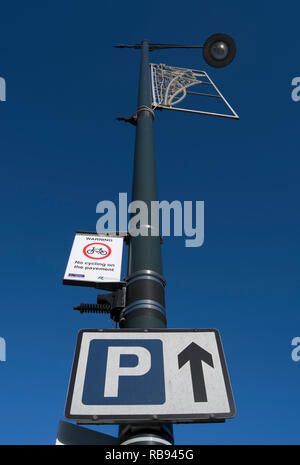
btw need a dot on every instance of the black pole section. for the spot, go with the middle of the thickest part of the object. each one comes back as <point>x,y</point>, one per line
<point>145,304</point>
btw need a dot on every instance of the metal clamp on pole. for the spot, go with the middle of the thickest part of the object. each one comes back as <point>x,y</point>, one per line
<point>160,435</point>
<point>145,108</point>
<point>145,298</point>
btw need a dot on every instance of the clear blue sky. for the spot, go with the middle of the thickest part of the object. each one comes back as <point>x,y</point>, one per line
<point>62,151</point>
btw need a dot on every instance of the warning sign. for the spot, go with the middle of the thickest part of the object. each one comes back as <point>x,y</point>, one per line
<point>94,259</point>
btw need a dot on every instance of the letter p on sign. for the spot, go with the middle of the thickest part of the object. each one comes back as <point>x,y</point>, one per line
<point>114,370</point>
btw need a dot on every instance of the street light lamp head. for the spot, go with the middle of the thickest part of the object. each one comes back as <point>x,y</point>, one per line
<point>219,50</point>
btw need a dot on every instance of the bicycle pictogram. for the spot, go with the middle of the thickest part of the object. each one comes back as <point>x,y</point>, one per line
<point>97,250</point>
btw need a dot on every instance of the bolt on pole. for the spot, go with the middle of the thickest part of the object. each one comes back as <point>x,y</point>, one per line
<point>145,304</point>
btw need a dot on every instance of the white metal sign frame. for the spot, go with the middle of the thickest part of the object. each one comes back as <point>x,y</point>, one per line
<point>178,411</point>
<point>170,86</point>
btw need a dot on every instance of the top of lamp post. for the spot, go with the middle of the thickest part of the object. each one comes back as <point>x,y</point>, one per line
<point>218,50</point>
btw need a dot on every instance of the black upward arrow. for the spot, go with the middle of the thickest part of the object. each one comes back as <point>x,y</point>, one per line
<point>196,355</point>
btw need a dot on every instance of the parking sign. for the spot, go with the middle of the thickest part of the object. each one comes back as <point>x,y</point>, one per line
<point>132,375</point>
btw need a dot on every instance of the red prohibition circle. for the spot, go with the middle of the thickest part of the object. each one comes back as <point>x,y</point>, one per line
<point>96,243</point>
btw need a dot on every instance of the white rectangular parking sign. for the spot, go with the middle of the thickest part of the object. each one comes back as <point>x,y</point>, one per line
<point>94,259</point>
<point>170,375</point>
